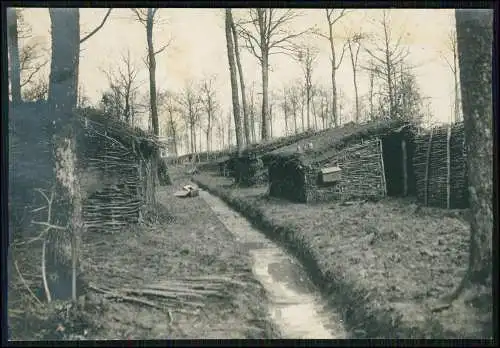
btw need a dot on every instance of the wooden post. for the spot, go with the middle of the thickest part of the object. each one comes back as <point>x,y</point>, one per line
<point>384,183</point>
<point>448,168</point>
<point>405,168</point>
<point>426,178</point>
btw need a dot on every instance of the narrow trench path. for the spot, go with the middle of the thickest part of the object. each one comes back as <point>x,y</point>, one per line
<point>296,306</point>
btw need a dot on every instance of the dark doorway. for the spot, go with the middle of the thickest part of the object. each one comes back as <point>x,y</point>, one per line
<point>395,163</point>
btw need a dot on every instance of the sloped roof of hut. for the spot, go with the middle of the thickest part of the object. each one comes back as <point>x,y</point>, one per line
<point>100,121</point>
<point>327,144</point>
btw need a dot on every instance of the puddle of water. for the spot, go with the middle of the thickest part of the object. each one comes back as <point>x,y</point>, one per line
<point>295,304</point>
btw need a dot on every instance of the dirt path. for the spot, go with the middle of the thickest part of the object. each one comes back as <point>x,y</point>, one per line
<point>295,304</point>
<point>186,268</point>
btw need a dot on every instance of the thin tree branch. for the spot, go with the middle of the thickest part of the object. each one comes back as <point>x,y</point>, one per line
<point>97,28</point>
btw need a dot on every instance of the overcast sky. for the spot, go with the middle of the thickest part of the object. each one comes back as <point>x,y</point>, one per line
<point>198,50</point>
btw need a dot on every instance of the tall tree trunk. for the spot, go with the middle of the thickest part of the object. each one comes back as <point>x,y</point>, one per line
<point>315,116</point>
<point>457,87</point>
<point>15,64</point>
<point>234,80</point>
<point>152,72</point>
<point>356,94</point>
<point>265,125</point>
<point>333,62</point>
<point>354,59</point>
<point>370,94</point>
<point>271,121</point>
<point>246,121</point>
<point>229,132</point>
<point>295,118</point>
<point>252,115</point>
<point>285,111</point>
<point>475,40</point>
<point>302,114</point>
<point>63,84</point>
<point>63,81</point>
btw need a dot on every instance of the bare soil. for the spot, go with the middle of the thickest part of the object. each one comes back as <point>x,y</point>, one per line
<point>384,263</point>
<point>204,283</point>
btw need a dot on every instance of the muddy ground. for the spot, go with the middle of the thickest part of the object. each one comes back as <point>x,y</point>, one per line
<point>181,276</point>
<point>389,261</point>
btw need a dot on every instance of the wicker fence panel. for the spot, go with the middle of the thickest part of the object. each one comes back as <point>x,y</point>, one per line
<point>440,167</point>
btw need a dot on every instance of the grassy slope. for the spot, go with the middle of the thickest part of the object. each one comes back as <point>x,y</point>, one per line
<point>380,263</point>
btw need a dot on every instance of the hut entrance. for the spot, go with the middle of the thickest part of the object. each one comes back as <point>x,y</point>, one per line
<point>397,154</point>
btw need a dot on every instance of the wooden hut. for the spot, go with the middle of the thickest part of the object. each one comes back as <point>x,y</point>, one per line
<point>440,167</point>
<point>249,167</point>
<point>114,163</point>
<point>370,160</point>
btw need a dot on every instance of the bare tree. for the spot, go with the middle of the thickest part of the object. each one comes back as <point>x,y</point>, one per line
<point>354,44</point>
<point>234,81</point>
<point>124,83</point>
<point>37,90</point>
<point>332,17</point>
<point>452,63</point>
<point>475,41</point>
<point>294,97</point>
<point>148,19</point>
<point>323,105</point>
<point>210,106</point>
<point>173,120</point>
<point>220,130</point>
<point>192,106</point>
<point>27,57</point>
<point>252,113</point>
<point>387,57</point>
<point>246,120</point>
<point>265,34</point>
<point>371,77</point>
<point>306,56</point>
<point>286,108</point>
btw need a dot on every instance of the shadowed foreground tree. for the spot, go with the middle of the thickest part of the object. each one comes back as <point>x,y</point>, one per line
<point>62,99</point>
<point>14,61</point>
<point>475,40</point>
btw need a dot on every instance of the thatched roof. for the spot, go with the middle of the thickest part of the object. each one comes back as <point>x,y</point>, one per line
<point>327,144</point>
<point>118,129</point>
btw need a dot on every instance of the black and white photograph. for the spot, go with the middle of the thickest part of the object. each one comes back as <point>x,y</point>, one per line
<point>248,173</point>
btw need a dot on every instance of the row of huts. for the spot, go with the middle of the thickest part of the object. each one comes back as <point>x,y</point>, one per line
<point>371,160</point>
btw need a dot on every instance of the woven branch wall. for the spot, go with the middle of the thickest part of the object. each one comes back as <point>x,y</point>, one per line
<point>362,174</point>
<point>440,167</point>
<point>116,179</point>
